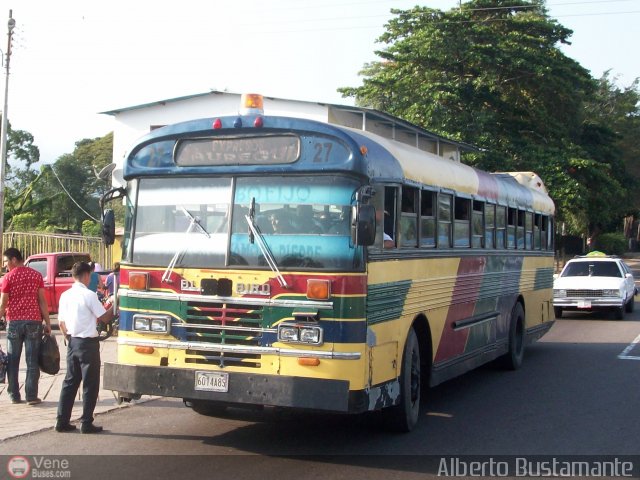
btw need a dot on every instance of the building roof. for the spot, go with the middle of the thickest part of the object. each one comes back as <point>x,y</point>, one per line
<point>367,113</point>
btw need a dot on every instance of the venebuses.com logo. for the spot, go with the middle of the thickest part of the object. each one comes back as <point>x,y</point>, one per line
<point>38,467</point>
<point>18,467</point>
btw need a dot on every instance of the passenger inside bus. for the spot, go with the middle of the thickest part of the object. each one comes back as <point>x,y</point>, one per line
<point>386,238</point>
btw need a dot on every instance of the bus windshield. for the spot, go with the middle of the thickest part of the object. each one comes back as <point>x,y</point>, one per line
<point>202,222</point>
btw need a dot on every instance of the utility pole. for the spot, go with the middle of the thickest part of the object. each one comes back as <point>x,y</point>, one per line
<point>5,122</point>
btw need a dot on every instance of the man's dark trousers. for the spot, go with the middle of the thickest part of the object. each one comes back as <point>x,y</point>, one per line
<point>83,364</point>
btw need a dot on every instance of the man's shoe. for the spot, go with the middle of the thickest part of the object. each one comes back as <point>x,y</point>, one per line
<point>90,428</point>
<point>65,427</point>
<point>35,401</point>
<point>16,401</point>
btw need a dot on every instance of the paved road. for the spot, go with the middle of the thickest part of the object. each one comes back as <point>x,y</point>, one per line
<point>575,395</point>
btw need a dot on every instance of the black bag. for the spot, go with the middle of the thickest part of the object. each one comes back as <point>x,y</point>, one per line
<point>49,355</point>
<point>4,361</point>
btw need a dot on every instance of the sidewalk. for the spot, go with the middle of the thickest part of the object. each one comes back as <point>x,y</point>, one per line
<point>21,419</point>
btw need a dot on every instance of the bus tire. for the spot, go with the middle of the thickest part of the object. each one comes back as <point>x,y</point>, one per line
<point>512,360</point>
<point>404,416</point>
<point>208,409</point>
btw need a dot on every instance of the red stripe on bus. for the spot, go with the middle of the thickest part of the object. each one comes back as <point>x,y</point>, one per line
<point>463,303</point>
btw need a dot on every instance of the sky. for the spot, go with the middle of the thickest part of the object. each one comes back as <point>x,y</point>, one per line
<point>72,59</point>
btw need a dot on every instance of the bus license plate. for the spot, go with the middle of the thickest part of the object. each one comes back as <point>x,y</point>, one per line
<point>212,381</point>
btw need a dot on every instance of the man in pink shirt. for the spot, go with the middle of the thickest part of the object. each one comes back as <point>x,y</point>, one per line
<point>24,305</point>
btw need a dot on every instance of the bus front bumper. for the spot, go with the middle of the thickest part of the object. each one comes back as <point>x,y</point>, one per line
<point>131,381</point>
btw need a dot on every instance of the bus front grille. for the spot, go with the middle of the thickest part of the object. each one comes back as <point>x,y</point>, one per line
<point>224,323</point>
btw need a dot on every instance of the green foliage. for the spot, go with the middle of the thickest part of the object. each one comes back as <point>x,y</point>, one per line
<point>611,243</point>
<point>91,228</point>
<point>24,222</point>
<point>40,194</point>
<point>491,74</point>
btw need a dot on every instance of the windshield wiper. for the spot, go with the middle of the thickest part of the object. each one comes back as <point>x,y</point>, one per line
<point>254,233</point>
<point>194,222</point>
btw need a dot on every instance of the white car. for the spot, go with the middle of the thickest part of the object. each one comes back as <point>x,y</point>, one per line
<point>595,282</point>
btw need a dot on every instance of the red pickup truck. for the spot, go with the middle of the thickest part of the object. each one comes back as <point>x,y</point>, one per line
<point>55,269</point>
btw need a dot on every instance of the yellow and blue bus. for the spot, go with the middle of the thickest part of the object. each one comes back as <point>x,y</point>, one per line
<point>287,262</point>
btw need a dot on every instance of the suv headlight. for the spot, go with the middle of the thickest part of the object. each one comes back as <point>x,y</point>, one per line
<point>561,292</point>
<point>307,333</point>
<point>152,323</point>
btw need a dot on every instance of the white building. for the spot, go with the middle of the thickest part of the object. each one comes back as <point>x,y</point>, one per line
<point>135,121</point>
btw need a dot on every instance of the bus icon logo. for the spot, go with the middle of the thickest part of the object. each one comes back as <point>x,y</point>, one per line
<point>18,467</point>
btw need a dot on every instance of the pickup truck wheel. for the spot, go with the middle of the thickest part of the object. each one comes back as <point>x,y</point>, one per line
<point>557,312</point>
<point>630,306</point>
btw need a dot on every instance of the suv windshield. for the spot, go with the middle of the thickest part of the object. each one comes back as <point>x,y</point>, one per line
<point>592,269</point>
<point>304,221</point>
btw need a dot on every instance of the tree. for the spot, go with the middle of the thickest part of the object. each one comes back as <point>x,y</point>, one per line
<point>76,173</point>
<point>491,73</point>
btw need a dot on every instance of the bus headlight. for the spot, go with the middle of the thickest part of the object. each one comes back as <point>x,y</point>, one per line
<point>310,334</point>
<point>151,323</point>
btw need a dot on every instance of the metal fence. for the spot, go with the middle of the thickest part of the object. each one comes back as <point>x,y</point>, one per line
<point>32,243</point>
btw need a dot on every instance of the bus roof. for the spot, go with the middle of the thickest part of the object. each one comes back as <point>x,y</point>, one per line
<point>373,156</point>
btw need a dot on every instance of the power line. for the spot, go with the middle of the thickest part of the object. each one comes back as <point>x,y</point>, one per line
<point>72,199</point>
<point>360,17</point>
<point>488,20</point>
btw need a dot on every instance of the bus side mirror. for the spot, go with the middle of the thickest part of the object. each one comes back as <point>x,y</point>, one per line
<point>108,227</point>
<point>363,231</point>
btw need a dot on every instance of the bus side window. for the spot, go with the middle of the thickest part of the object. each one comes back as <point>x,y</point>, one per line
<point>537,224</point>
<point>501,227</point>
<point>528,236</point>
<point>427,219</point>
<point>520,235</point>
<point>489,225</point>
<point>477,224</point>
<point>544,233</point>
<point>444,220</point>
<point>512,222</point>
<point>409,217</point>
<point>461,227</point>
<point>389,218</point>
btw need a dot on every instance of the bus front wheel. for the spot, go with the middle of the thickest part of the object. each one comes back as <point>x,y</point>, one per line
<point>512,360</point>
<point>404,416</point>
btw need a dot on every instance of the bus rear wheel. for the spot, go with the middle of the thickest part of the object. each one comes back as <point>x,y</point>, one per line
<point>512,360</point>
<point>404,416</point>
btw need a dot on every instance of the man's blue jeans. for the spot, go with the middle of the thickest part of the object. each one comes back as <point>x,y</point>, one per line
<point>29,333</point>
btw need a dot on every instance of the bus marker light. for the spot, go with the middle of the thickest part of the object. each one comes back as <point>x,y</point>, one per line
<point>145,350</point>
<point>251,104</point>
<point>308,362</point>
<point>259,122</point>
<point>217,124</point>
<point>237,123</point>
<point>138,281</point>
<point>318,289</point>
